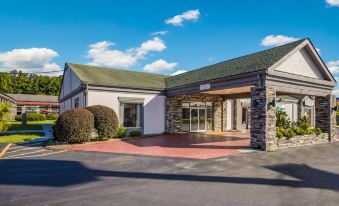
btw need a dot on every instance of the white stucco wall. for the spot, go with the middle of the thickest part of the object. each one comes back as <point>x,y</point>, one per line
<point>229,113</point>
<point>70,82</point>
<point>154,107</point>
<point>301,64</point>
<point>292,111</point>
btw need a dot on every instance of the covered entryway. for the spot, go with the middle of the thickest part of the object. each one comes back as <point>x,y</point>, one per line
<point>245,93</point>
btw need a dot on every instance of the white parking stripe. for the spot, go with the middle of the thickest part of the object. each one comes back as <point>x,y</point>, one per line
<point>19,150</point>
<point>28,144</point>
<point>50,153</point>
<point>36,151</point>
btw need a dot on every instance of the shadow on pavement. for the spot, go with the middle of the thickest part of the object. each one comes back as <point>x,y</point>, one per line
<point>57,173</point>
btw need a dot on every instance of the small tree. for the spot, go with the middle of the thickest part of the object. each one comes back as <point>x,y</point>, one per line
<point>5,111</point>
<point>283,121</point>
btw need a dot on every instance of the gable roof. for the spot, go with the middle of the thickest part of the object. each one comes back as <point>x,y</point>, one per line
<point>33,98</point>
<point>118,77</point>
<point>254,62</point>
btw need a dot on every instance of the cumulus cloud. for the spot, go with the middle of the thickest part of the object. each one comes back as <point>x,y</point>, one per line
<point>159,33</point>
<point>29,60</point>
<point>178,72</point>
<point>191,15</point>
<point>277,40</point>
<point>159,65</point>
<point>333,66</point>
<point>102,55</point>
<point>333,3</point>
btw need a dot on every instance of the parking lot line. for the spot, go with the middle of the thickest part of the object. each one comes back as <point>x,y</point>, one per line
<point>40,155</point>
<point>23,154</point>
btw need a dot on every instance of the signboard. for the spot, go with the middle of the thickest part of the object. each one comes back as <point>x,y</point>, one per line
<point>309,102</point>
<point>205,86</point>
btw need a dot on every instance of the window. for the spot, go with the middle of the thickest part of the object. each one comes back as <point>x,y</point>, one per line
<point>76,102</point>
<point>131,115</point>
<point>244,116</point>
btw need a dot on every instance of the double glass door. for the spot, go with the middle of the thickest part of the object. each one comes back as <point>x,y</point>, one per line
<point>198,119</point>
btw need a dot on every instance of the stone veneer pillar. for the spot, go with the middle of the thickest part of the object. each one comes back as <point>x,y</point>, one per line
<point>217,116</point>
<point>173,114</point>
<point>263,118</point>
<point>325,116</point>
<point>236,114</point>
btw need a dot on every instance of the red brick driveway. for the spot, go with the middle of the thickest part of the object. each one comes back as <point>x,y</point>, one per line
<point>190,145</point>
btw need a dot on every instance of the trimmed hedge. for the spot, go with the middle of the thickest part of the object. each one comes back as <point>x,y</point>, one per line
<point>52,116</point>
<point>74,126</point>
<point>105,121</point>
<point>134,133</point>
<point>31,117</point>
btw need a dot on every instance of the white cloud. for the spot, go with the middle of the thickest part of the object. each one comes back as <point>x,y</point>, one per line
<point>318,50</point>
<point>159,66</point>
<point>333,66</point>
<point>191,15</point>
<point>277,40</point>
<point>159,33</point>
<point>29,60</point>
<point>102,55</point>
<point>336,92</point>
<point>179,72</point>
<point>333,2</point>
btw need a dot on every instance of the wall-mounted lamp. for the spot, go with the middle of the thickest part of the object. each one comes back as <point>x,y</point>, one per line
<point>335,108</point>
<point>273,103</point>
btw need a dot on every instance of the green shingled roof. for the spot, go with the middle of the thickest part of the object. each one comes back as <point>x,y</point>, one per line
<point>119,78</point>
<point>250,63</point>
<point>255,62</point>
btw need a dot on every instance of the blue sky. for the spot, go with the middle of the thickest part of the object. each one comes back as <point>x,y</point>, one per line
<point>42,35</point>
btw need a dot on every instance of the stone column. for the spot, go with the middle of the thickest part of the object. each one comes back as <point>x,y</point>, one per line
<point>173,114</point>
<point>224,115</point>
<point>236,114</point>
<point>325,116</point>
<point>263,118</point>
<point>217,115</point>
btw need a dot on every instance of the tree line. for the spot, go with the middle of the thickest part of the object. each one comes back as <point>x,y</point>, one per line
<point>23,83</point>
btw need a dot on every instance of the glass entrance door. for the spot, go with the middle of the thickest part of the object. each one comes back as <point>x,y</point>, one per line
<point>198,119</point>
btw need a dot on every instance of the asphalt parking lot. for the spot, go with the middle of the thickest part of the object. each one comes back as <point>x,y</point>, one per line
<point>297,176</point>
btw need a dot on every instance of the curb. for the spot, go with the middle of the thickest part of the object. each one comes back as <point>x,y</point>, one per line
<point>3,152</point>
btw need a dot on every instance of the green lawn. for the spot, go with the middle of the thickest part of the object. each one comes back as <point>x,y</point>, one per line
<point>21,137</point>
<point>31,125</point>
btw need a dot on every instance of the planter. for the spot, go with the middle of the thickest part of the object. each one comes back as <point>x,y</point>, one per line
<point>297,141</point>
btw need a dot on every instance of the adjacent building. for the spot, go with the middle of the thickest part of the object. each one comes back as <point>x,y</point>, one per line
<point>241,93</point>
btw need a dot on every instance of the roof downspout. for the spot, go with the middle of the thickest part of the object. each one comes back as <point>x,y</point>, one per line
<point>86,95</point>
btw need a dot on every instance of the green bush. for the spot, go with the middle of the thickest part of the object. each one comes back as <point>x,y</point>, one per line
<point>289,133</point>
<point>304,122</point>
<point>52,116</point>
<point>310,130</point>
<point>299,131</point>
<point>18,118</point>
<point>35,117</point>
<point>5,111</point>
<point>279,135</point>
<point>121,133</point>
<point>318,131</point>
<point>75,126</point>
<point>105,121</point>
<point>134,133</point>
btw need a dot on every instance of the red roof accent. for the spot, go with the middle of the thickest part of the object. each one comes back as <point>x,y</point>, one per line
<point>38,103</point>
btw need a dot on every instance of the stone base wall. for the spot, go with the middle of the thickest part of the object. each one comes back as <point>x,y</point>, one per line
<point>298,141</point>
<point>174,113</point>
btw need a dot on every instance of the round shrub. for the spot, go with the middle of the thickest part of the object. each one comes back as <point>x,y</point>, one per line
<point>299,131</point>
<point>310,130</point>
<point>134,133</point>
<point>121,133</point>
<point>52,116</point>
<point>318,131</point>
<point>105,121</point>
<point>74,126</point>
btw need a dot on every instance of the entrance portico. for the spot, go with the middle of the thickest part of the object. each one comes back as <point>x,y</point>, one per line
<point>298,73</point>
